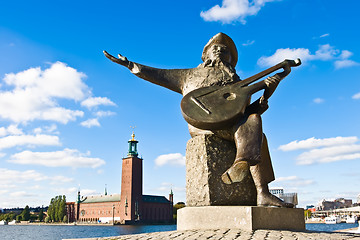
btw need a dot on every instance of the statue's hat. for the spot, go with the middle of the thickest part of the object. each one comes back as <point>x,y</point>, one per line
<point>222,38</point>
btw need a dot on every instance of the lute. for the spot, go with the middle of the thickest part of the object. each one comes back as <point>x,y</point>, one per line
<point>218,107</point>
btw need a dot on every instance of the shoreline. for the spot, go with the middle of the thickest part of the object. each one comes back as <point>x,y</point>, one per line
<point>77,224</point>
<point>349,230</point>
<point>60,224</point>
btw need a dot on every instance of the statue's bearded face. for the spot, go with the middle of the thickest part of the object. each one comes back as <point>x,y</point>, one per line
<point>219,51</point>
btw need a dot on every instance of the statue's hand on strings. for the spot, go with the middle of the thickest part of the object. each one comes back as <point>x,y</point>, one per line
<point>271,83</point>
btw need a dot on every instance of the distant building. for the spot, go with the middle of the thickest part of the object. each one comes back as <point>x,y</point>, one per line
<point>286,197</point>
<point>336,204</point>
<point>130,205</point>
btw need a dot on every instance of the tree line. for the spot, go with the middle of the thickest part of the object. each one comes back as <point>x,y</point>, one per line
<point>56,212</point>
<point>25,215</point>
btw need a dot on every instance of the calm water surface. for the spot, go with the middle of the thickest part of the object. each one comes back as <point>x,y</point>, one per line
<point>329,227</point>
<point>34,232</point>
<point>45,232</point>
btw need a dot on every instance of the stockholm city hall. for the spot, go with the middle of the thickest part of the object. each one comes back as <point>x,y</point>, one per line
<point>128,207</point>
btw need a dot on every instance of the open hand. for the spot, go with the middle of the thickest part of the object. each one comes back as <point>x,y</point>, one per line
<point>121,60</point>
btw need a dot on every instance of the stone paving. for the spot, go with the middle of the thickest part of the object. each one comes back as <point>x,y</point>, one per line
<point>229,234</point>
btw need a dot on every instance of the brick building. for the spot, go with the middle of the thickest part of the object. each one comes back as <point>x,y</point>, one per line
<point>130,206</point>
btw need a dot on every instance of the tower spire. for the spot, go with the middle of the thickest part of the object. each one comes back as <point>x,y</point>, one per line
<point>132,152</point>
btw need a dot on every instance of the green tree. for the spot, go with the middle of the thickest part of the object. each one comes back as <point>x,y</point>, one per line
<point>41,215</point>
<point>57,208</point>
<point>307,214</point>
<point>47,219</point>
<point>26,213</point>
<point>62,208</point>
<point>65,219</point>
<point>8,216</point>
<point>176,207</point>
<point>50,211</point>
<point>18,218</point>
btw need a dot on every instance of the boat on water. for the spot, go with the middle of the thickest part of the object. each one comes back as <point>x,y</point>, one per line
<point>332,220</point>
<point>3,222</point>
<point>351,219</point>
<point>12,222</point>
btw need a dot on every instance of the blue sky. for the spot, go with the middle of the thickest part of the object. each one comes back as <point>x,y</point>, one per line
<point>66,110</point>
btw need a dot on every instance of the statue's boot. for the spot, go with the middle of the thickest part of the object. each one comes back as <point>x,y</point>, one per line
<point>237,172</point>
<point>267,199</point>
<point>264,197</point>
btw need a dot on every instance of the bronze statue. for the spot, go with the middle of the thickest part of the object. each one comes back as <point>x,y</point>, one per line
<point>216,79</point>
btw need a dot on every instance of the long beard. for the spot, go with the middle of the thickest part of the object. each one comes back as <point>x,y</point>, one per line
<point>219,63</point>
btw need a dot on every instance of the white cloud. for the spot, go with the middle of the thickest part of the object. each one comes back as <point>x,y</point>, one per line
<point>325,52</point>
<point>318,100</point>
<point>35,93</point>
<point>60,180</point>
<point>234,10</point>
<point>21,194</point>
<point>8,176</point>
<point>325,35</point>
<point>287,53</point>
<point>166,187</point>
<point>10,130</point>
<point>96,101</point>
<point>329,154</point>
<point>57,81</point>
<point>3,191</point>
<point>73,191</point>
<point>29,140</point>
<point>66,158</point>
<point>282,179</point>
<point>35,187</point>
<point>315,143</point>
<point>356,96</point>
<point>104,113</point>
<point>345,54</point>
<point>325,150</point>
<point>171,159</point>
<point>293,181</point>
<point>345,63</point>
<point>66,191</point>
<point>88,192</point>
<point>47,129</point>
<point>92,122</point>
<point>248,43</point>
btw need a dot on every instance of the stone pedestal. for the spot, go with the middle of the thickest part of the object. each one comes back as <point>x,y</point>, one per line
<point>246,218</point>
<point>207,158</point>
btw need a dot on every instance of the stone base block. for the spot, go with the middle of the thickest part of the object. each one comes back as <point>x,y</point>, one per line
<point>207,158</point>
<point>246,218</point>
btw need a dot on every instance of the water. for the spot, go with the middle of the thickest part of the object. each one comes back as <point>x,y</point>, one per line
<point>321,227</point>
<point>46,232</point>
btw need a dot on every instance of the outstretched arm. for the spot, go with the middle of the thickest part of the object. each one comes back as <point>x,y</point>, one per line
<point>172,79</point>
